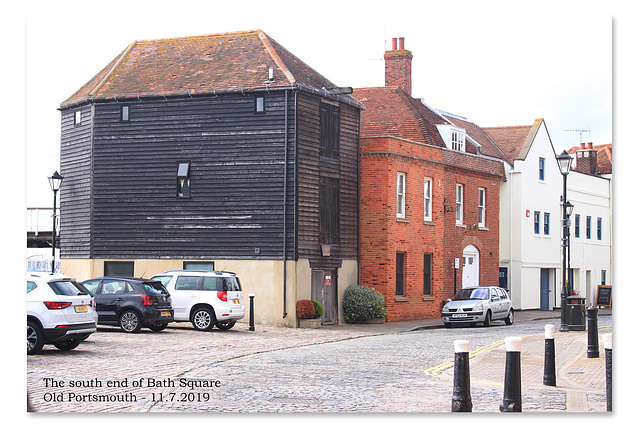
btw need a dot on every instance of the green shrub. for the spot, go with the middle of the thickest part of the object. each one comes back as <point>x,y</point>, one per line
<point>319,310</point>
<point>361,304</point>
<point>305,309</point>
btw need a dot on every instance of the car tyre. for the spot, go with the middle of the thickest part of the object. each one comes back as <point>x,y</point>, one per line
<point>67,345</point>
<point>487,318</point>
<point>157,327</point>
<point>226,325</point>
<point>35,338</point>
<point>202,319</point>
<point>510,318</point>
<point>130,321</point>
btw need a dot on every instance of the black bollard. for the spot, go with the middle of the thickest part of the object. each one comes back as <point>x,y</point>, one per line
<point>593,349</point>
<point>607,338</point>
<point>461,401</point>
<point>512,401</point>
<point>549,377</point>
<point>251,319</point>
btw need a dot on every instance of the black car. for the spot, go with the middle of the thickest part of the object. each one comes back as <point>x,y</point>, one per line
<point>131,303</point>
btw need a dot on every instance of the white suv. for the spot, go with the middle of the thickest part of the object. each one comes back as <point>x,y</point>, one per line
<point>204,298</point>
<point>59,312</point>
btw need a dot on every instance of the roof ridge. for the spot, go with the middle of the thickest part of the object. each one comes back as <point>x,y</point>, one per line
<point>266,41</point>
<point>112,70</point>
<point>228,33</point>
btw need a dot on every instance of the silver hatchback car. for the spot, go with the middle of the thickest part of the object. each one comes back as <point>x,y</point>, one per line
<point>478,304</point>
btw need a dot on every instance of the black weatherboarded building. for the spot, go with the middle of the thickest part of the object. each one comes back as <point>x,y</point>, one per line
<point>221,151</point>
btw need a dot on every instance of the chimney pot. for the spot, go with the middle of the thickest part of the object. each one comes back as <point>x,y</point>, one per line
<point>582,145</point>
<point>590,145</point>
<point>401,40</point>
<point>394,43</point>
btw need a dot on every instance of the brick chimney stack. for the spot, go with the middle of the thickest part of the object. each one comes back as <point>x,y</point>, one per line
<point>397,66</point>
<point>587,159</point>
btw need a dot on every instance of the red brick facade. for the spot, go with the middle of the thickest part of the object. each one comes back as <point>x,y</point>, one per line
<point>383,235</point>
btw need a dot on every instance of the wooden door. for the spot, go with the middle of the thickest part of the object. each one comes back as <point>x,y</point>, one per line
<point>324,289</point>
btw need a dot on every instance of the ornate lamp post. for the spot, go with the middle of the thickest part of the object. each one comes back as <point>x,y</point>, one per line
<point>564,162</point>
<point>55,181</point>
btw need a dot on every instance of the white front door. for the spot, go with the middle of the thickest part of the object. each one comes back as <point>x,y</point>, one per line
<point>470,269</point>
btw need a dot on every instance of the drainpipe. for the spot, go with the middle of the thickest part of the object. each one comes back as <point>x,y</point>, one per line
<point>284,221</point>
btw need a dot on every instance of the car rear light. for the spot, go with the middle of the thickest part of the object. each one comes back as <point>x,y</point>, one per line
<point>146,300</point>
<point>56,305</point>
<point>62,326</point>
<point>222,296</point>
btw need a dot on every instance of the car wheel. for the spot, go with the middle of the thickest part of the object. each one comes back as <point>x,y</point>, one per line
<point>202,319</point>
<point>130,322</point>
<point>68,344</point>
<point>510,318</point>
<point>487,318</point>
<point>35,338</point>
<point>226,325</point>
<point>157,327</point>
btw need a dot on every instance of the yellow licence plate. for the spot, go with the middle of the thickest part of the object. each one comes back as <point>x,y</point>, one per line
<point>165,313</point>
<point>81,308</point>
<point>235,301</point>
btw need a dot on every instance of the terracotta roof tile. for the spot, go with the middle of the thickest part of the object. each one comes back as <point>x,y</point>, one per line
<point>512,140</point>
<point>390,111</point>
<point>228,62</point>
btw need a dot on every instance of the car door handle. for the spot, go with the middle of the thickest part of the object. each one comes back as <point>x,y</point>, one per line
<point>118,299</point>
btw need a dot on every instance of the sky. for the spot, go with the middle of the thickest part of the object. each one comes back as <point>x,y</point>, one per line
<point>495,69</point>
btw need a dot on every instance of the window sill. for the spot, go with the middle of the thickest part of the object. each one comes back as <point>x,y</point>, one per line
<point>428,298</point>
<point>461,225</point>
<point>400,298</point>
<point>483,228</point>
<point>405,220</point>
<point>426,222</point>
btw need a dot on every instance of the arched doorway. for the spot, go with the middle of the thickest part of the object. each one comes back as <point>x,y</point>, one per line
<point>470,266</point>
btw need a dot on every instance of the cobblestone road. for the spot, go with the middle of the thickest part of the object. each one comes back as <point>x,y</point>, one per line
<point>269,370</point>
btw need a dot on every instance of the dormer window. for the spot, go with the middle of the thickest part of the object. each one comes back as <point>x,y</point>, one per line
<point>457,140</point>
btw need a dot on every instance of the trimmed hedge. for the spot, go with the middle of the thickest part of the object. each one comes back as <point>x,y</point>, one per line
<point>319,309</point>
<point>361,304</point>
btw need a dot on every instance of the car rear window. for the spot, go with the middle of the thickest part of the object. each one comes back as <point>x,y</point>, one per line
<point>31,286</point>
<point>65,288</point>
<point>231,284</point>
<point>162,279</point>
<point>154,288</point>
<point>228,284</point>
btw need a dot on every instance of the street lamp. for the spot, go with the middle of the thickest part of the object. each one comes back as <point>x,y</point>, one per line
<point>55,181</point>
<point>564,162</point>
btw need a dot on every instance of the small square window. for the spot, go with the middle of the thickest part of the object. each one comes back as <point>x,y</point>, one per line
<point>260,104</point>
<point>124,113</point>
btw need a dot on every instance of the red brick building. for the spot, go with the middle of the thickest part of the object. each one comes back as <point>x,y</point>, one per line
<point>429,196</point>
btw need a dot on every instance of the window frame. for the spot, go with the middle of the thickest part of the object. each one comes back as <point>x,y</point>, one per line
<point>598,228</point>
<point>183,189</point>
<point>259,104</point>
<point>482,207</point>
<point>459,203</point>
<point>458,138</point>
<point>588,228</point>
<point>536,222</point>
<point>541,169</point>
<point>329,131</point>
<point>110,267</point>
<point>401,265</point>
<point>124,118</point>
<point>77,117</point>
<point>546,226</point>
<point>401,195</point>
<point>576,229</point>
<point>428,199</point>
<point>427,274</point>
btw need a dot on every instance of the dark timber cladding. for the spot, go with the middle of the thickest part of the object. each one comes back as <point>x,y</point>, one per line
<point>236,159</point>
<point>121,196</point>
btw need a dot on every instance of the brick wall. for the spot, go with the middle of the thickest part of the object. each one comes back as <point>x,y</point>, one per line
<point>382,235</point>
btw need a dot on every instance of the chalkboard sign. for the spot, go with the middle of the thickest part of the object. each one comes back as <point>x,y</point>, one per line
<point>604,296</point>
